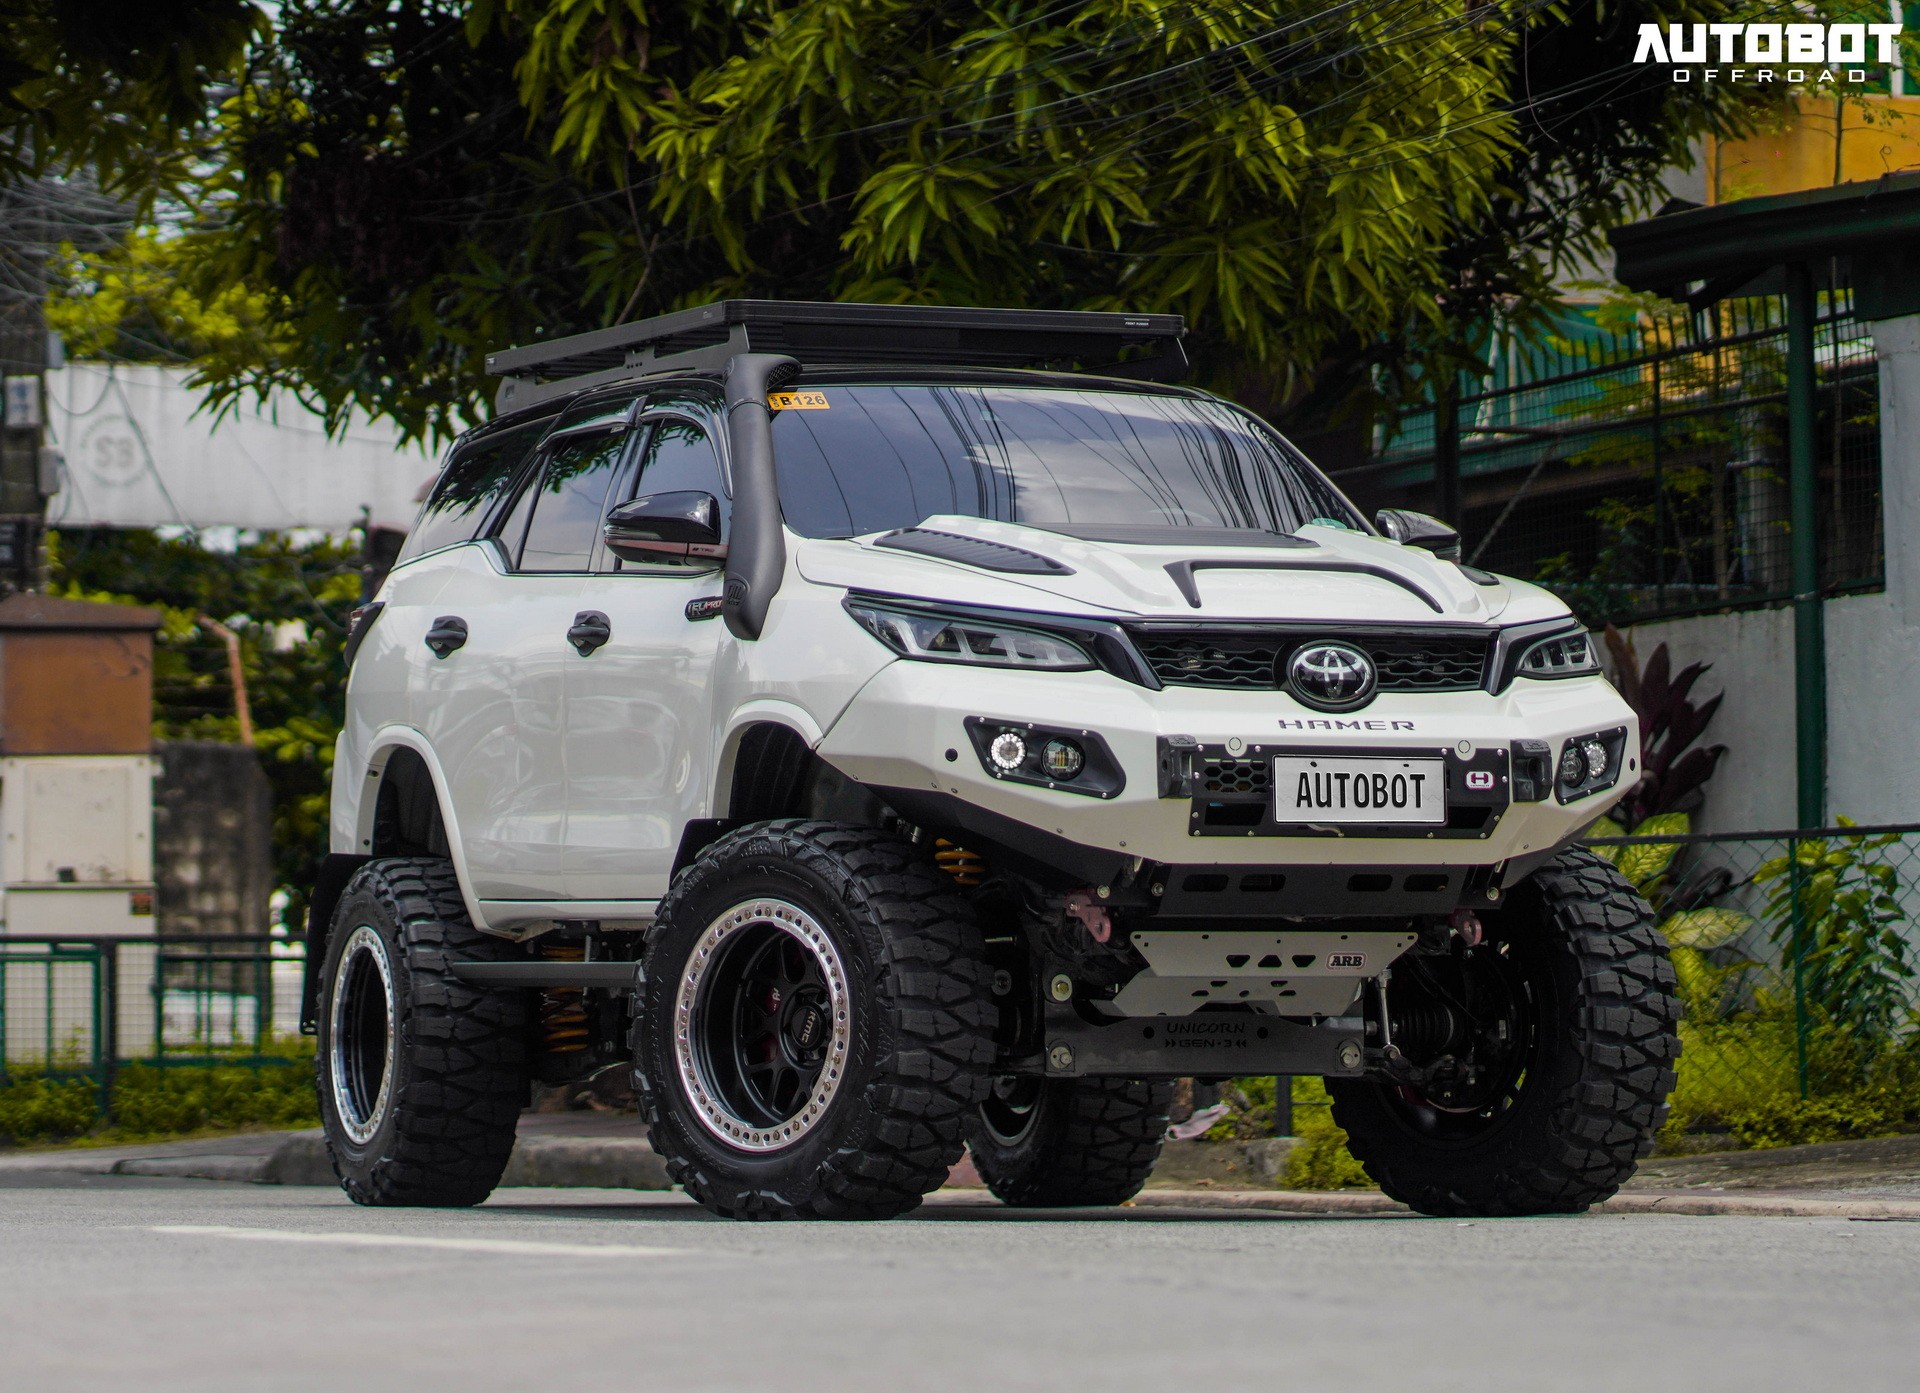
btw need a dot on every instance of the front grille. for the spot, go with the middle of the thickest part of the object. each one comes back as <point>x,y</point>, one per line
<point>1249,658</point>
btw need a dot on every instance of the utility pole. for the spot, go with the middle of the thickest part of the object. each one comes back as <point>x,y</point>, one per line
<point>28,470</point>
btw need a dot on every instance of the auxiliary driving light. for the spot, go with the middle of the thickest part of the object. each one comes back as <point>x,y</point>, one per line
<point>1066,761</point>
<point>1008,751</point>
<point>1596,757</point>
<point>1062,759</point>
<point>1591,764</point>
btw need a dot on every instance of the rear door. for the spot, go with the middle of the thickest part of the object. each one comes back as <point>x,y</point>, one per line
<point>640,708</point>
<point>495,708</point>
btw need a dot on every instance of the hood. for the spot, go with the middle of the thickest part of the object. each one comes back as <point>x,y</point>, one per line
<point>1317,574</point>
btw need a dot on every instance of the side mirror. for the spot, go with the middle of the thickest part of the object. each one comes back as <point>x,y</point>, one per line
<point>1412,529</point>
<point>666,527</point>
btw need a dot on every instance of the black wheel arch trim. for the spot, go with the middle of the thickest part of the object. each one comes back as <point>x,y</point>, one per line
<point>336,872</point>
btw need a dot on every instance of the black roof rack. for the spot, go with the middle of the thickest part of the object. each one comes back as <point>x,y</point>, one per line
<point>819,333</point>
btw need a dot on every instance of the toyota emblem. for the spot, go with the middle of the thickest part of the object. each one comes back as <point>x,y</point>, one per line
<point>1331,676</point>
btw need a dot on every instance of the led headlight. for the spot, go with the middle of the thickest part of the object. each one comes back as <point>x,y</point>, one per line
<point>937,638</point>
<point>1570,654</point>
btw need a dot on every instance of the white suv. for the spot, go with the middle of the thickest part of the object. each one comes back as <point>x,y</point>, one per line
<point>878,739</point>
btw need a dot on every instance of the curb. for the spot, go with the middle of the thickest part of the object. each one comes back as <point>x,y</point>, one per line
<point>301,1159</point>
<point>629,1163</point>
<point>1356,1203</point>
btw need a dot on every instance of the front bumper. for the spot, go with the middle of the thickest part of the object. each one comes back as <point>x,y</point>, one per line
<point>907,731</point>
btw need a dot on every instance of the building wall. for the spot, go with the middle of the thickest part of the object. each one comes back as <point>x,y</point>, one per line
<point>213,839</point>
<point>1873,711</point>
<point>1874,136</point>
<point>139,451</point>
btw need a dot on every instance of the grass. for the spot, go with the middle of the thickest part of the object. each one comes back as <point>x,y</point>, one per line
<point>1319,1159</point>
<point>152,1102</point>
<point>1740,1079</point>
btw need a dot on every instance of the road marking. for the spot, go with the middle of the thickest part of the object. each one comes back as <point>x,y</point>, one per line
<point>513,1246</point>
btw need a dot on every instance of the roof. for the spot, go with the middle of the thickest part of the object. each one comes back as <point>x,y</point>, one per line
<point>1876,225</point>
<point>50,612</point>
<point>820,333</point>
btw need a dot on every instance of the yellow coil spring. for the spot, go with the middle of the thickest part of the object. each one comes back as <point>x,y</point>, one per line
<point>563,1010</point>
<point>964,866</point>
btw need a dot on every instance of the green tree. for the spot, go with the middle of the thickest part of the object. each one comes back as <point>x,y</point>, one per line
<point>112,88</point>
<point>1329,192</point>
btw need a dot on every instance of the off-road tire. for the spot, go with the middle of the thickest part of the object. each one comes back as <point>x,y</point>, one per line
<point>459,1060</point>
<point>1597,1083</point>
<point>920,1036</point>
<point>1090,1142</point>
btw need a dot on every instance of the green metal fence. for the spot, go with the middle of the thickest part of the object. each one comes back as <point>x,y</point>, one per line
<point>1796,960</point>
<point>86,1009</point>
<point>58,1009</point>
<point>1634,458</point>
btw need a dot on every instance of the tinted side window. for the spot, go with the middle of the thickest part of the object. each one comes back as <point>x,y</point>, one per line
<point>474,479</point>
<point>571,502</point>
<point>678,458</point>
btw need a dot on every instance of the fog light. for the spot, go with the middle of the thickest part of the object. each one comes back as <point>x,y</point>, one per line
<point>1596,756</point>
<point>1008,751</point>
<point>1573,767</point>
<point>1062,759</point>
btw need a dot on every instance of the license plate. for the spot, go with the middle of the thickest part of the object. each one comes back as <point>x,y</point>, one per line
<point>1318,788</point>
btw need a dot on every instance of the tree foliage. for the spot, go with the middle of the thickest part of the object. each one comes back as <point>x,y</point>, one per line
<point>1328,190</point>
<point>112,87</point>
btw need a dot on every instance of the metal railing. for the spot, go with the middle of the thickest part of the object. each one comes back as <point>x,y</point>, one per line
<point>82,1011</point>
<point>1635,460</point>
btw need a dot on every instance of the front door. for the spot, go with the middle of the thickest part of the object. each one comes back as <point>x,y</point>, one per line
<point>640,708</point>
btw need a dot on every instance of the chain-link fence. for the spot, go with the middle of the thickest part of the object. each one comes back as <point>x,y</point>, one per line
<point>1797,966</point>
<point>1635,459</point>
<point>85,1015</point>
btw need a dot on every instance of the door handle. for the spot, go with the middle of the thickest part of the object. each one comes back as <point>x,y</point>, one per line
<point>591,629</point>
<point>449,632</point>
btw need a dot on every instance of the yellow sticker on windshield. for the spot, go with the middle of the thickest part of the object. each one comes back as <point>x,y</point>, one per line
<point>797,401</point>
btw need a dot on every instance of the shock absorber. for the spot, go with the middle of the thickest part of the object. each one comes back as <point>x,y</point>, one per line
<point>563,1010</point>
<point>964,866</point>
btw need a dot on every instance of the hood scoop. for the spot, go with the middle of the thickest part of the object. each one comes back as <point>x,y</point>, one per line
<point>973,551</point>
<point>1181,573</point>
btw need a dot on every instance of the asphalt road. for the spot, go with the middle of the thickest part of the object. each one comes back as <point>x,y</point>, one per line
<point>136,1284</point>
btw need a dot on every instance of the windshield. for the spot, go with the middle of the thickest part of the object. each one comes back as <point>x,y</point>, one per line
<point>854,460</point>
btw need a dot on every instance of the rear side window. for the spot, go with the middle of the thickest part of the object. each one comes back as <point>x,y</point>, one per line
<point>475,478</point>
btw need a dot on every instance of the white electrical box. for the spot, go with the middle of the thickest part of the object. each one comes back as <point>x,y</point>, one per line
<point>80,820</point>
<point>23,403</point>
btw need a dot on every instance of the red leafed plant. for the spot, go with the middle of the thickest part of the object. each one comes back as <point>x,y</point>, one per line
<point>1673,769</point>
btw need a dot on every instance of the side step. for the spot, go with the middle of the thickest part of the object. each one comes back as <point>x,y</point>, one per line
<point>622,976</point>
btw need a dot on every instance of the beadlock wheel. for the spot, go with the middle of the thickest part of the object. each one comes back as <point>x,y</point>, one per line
<point>362,1036</point>
<point>762,1025</point>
